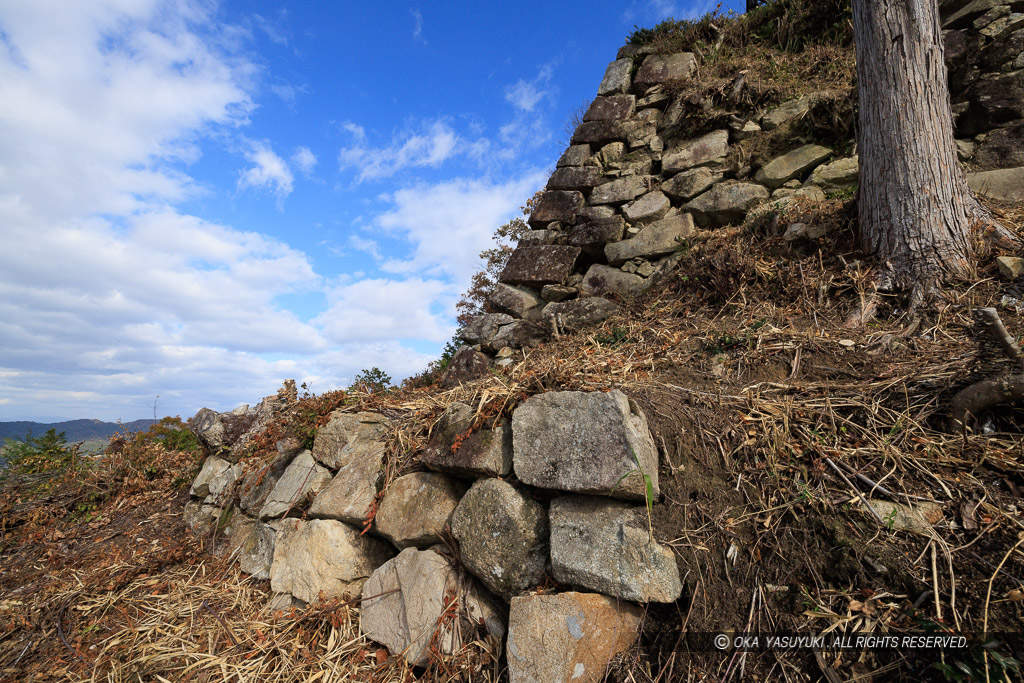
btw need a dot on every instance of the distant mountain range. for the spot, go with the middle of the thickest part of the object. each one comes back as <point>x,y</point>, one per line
<point>74,430</point>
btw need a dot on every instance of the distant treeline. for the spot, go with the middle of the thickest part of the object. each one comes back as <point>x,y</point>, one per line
<point>74,430</point>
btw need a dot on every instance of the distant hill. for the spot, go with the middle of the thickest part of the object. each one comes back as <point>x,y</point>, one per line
<point>75,430</point>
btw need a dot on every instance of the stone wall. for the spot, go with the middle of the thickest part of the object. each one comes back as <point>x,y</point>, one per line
<point>630,191</point>
<point>557,495</point>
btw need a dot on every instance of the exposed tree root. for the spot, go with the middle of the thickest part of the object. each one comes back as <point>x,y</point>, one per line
<point>983,395</point>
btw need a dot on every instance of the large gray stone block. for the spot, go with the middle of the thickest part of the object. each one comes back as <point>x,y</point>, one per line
<point>303,479</point>
<point>485,452</point>
<point>659,238</point>
<point>605,546</point>
<point>602,280</point>
<point>502,535</point>
<point>586,442</point>
<point>536,266</point>
<point>417,507</point>
<point>406,600</point>
<point>324,556</point>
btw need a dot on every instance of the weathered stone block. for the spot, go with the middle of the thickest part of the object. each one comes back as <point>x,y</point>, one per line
<point>303,479</point>
<point>579,313</point>
<point>519,334</point>
<point>575,155</point>
<point>602,280</point>
<point>556,205</point>
<point>502,536</point>
<point>350,436</point>
<point>663,68</point>
<point>1005,185</point>
<point>601,132</point>
<point>581,178</point>
<point>536,266</point>
<point>659,238</point>
<point>838,175</point>
<point>417,507</point>
<point>1002,148</point>
<point>688,184</point>
<point>619,191</point>
<point>486,452</point>
<point>512,300</point>
<point>617,77</point>
<point>786,111</point>
<point>466,365</point>
<point>792,165</point>
<point>568,637</point>
<point>584,442</point>
<point>611,108</point>
<point>707,149</point>
<point>483,327</point>
<point>647,208</point>
<point>324,556</point>
<point>349,495</point>
<point>406,600</point>
<point>605,546</point>
<point>726,203</point>
<point>591,237</point>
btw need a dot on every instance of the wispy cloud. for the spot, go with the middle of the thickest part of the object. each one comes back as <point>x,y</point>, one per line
<point>304,159</point>
<point>448,224</point>
<point>269,172</point>
<point>417,31</point>
<point>431,146</point>
<point>524,95</point>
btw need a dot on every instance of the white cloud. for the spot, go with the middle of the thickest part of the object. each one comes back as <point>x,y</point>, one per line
<point>525,95</point>
<point>108,294</point>
<point>269,173</point>
<point>436,143</point>
<point>379,310</point>
<point>367,245</point>
<point>304,159</point>
<point>417,31</point>
<point>449,224</point>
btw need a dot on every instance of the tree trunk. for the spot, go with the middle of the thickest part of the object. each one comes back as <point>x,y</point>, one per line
<point>915,207</point>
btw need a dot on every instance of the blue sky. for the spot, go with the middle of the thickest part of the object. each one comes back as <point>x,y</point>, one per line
<point>200,199</point>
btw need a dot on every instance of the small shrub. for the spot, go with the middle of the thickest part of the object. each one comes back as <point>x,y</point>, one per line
<point>372,381</point>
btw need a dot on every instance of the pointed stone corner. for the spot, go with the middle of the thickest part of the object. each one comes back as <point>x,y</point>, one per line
<point>324,556</point>
<point>406,599</point>
<point>605,545</point>
<point>568,637</point>
<point>584,442</point>
<point>502,535</point>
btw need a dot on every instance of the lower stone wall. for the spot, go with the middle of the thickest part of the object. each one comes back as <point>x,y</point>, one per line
<point>556,495</point>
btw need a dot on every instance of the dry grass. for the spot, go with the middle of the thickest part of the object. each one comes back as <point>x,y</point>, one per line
<point>753,385</point>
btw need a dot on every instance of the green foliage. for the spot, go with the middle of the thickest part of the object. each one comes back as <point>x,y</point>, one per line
<point>172,433</point>
<point>47,453</point>
<point>372,381</point>
<point>614,337</point>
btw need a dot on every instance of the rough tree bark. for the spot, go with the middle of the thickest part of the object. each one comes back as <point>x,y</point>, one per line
<point>915,206</point>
